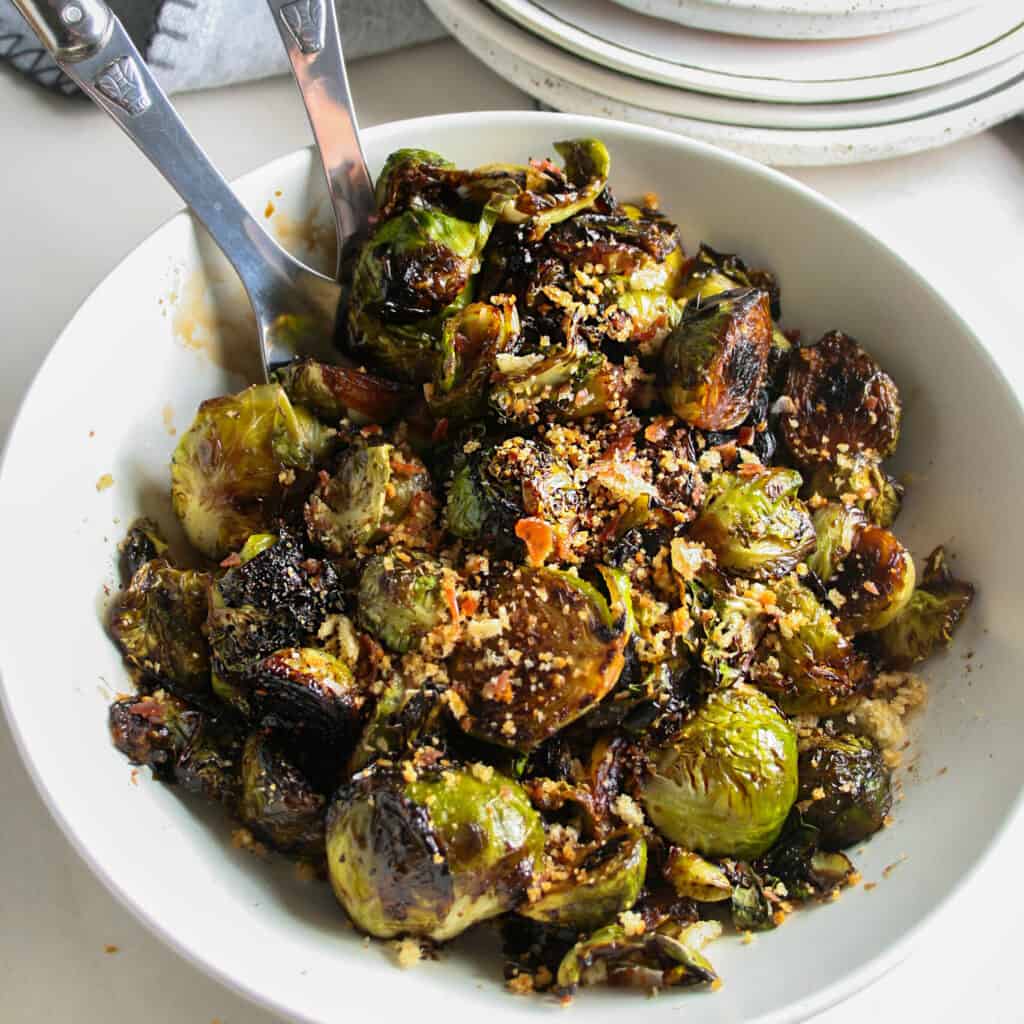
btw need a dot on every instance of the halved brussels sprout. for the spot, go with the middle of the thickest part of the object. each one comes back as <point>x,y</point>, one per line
<point>845,789</point>
<point>756,525</point>
<point>495,489</point>
<point>876,581</point>
<point>810,667</point>
<point>725,785</point>
<point>430,857</point>
<point>731,622</point>
<point>927,622</point>
<point>670,955</point>
<point>471,343</point>
<point>543,649</point>
<point>842,402</point>
<point>644,318</point>
<point>312,698</point>
<point>158,624</point>
<point>695,878</point>
<point>400,598</point>
<point>415,270</point>
<point>178,743</point>
<point>375,488</point>
<point>606,880</point>
<point>714,362</point>
<point>277,801</point>
<point>859,481</point>
<point>143,543</point>
<point>836,527</point>
<point>336,392</point>
<point>568,384</point>
<point>225,470</point>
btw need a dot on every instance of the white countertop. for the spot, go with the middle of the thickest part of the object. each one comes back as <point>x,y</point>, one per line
<point>76,197</point>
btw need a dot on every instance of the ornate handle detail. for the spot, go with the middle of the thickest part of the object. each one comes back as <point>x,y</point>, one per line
<point>72,30</point>
<point>307,24</point>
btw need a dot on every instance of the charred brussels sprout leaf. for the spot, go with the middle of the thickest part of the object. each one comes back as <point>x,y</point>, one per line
<point>158,624</point>
<point>876,581</point>
<point>670,955</point>
<point>836,527</point>
<point>810,667</point>
<point>375,488</point>
<point>805,871</point>
<point>605,881</point>
<point>751,909</point>
<point>714,362</point>
<point>430,857</point>
<point>403,718</point>
<point>277,801</point>
<point>415,270</point>
<point>143,543</point>
<point>842,401</point>
<point>725,785</point>
<point>336,392</point>
<point>845,789</point>
<point>400,598</point>
<point>756,525</point>
<point>926,624</point>
<point>225,471</point>
<point>519,479</point>
<point>471,343</point>
<point>860,481</point>
<point>410,177</point>
<point>544,648</point>
<point>695,878</point>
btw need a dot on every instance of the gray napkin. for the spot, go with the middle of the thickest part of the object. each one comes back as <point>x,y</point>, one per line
<point>193,44</point>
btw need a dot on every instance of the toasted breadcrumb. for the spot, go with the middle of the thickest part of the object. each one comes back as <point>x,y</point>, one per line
<point>628,811</point>
<point>408,953</point>
<point>243,839</point>
<point>632,923</point>
<point>521,984</point>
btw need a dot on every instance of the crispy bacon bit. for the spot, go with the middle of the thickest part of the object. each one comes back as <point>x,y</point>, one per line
<point>403,468</point>
<point>231,561</point>
<point>451,599</point>
<point>468,604</point>
<point>538,537</point>
<point>440,431</point>
<point>500,688</point>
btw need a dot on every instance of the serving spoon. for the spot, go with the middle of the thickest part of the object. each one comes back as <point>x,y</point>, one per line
<point>309,31</point>
<point>296,307</point>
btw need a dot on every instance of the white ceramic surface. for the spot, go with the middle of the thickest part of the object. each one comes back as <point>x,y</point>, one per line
<point>121,371</point>
<point>774,70</point>
<point>553,76</point>
<point>757,114</point>
<point>800,19</point>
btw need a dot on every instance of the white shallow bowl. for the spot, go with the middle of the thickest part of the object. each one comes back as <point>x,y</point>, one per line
<point>826,71</point>
<point>569,83</point>
<point>162,332</point>
<point>796,19</point>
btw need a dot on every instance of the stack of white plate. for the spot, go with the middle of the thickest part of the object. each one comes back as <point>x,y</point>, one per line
<point>804,85</point>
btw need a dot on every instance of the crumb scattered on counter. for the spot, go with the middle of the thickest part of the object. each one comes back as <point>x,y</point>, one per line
<point>111,949</point>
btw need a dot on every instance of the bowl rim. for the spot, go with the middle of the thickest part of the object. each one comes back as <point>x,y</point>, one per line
<point>844,987</point>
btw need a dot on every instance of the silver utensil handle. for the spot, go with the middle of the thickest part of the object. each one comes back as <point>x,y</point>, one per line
<point>309,30</point>
<point>91,46</point>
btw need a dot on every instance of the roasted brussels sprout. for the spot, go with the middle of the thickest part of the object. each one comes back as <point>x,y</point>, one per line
<point>225,471</point>
<point>809,667</point>
<point>927,622</point>
<point>335,392</point>
<point>178,743</point>
<point>376,488</point>
<point>410,177</point>
<point>731,620</point>
<point>497,488</point>
<point>836,527</point>
<point>433,856</point>
<point>806,871</point>
<point>670,955</point>
<point>845,789</point>
<point>696,879</point>
<point>415,270</point>
<point>568,384</point>
<point>400,598</point>
<point>158,624</point>
<point>725,785</point>
<point>875,583</point>
<point>749,905</point>
<point>543,648</point>
<point>276,800</point>
<point>756,525</point>
<point>859,481</point>
<point>841,402</point>
<point>605,881</point>
<point>714,362</point>
<point>472,341</point>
